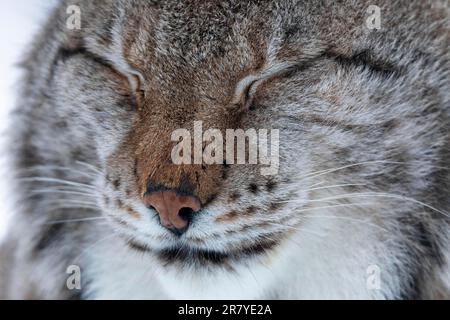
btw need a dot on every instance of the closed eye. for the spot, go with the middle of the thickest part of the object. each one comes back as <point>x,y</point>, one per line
<point>133,82</point>
<point>65,54</point>
<point>246,88</point>
<point>364,59</point>
<point>367,60</point>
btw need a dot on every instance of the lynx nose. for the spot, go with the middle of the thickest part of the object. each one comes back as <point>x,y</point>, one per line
<point>175,210</point>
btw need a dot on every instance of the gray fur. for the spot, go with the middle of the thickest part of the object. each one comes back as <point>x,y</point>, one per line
<point>372,105</point>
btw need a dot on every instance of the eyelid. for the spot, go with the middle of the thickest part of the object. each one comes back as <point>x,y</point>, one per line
<point>134,78</point>
<point>136,81</point>
<point>244,90</point>
<point>247,87</point>
<point>65,54</point>
<point>366,59</point>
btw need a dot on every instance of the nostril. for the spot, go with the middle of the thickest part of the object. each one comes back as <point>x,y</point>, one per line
<point>186,214</point>
<point>175,211</point>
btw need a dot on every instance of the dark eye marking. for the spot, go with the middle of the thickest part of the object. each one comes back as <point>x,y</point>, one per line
<point>64,54</point>
<point>365,59</point>
<point>131,86</point>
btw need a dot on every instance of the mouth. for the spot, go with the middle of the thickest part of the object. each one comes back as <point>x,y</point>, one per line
<point>186,255</point>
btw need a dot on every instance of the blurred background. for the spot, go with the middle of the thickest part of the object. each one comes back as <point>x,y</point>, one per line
<point>19,22</point>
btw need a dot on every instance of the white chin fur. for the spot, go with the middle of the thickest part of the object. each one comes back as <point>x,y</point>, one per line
<point>294,270</point>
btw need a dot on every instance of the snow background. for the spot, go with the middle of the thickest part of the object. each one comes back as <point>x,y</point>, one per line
<point>19,22</point>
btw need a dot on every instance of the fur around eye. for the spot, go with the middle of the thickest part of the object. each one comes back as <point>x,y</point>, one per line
<point>244,92</point>
<point>138,91</point>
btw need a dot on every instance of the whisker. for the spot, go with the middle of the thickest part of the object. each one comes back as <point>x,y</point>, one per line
<point>332,170</point>
<point>55,167</point>
<point>76,220</point>
<point>371,194</point>
<point>73,201</point>
<point>64,187</point>
<point>297,229</point>
<point>317,184</point>
<point>335,186</point>
<point>54,180</point>
<point>89,166</point>
<point>360,221</point>
<point>85,250</point>
<point>71,204</point>
<point>68,192</point>
<point>81,207</point>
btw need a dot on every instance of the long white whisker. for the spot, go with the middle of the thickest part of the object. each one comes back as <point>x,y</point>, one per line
<point>372,194</point>
<point>335,186</point>
<point>89,166</point>
<point>63,201</point>
<point>85,250</point>
<point>297,229</point>
<point>81,207</point>
<point>327,171</point>
<point>65,188</point>
<point>59,168</point>
<point>44,191</point>
<point>54,180</point>
<point>76,220</point>
<point>361,221</point>
<point>317,184</point>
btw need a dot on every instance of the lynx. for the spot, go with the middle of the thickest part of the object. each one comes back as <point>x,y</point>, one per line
<point>358,209</point>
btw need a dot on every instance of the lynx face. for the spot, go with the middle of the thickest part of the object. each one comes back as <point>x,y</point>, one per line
<point>169,82</point>
<point>349,109</point>
<point>362,116</point>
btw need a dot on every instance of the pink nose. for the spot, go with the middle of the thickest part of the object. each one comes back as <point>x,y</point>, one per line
<point>174,210</point>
